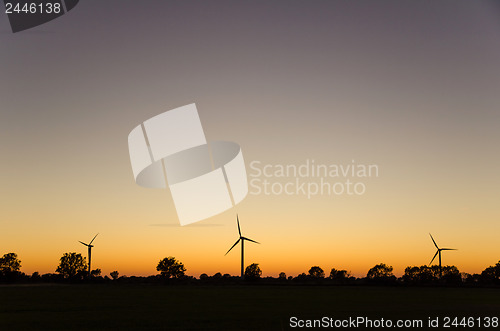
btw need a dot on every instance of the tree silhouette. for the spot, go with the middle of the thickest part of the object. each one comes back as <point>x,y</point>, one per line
<point>114,274</point>
<point>471,279</point>
<point>72,265</point>
<point>10,266</point>
<point>9,263</point>
<point>316,272</point>
<point>419,275</point>
<point>169,267</point>
<point>253,271</point>
<point>451,274</point>
<point>491,274</point>
<point>425,274</point>
<point>339,275</point>
<point>282,276</point>
<point>381,272</point>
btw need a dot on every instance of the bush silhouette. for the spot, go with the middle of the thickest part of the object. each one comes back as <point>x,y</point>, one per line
<point>114,274</point>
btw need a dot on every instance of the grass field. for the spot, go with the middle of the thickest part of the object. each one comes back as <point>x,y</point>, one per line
<point>157,307</point>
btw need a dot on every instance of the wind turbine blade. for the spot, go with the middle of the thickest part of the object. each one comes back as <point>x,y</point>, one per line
<point>93,239</point>
<point>239,230</point>
<point>245,238</point>
<point>449,249</point>
<point>433,241</point>
<point>236,243</point>
<point>82,243</point>
<point>434,257</point>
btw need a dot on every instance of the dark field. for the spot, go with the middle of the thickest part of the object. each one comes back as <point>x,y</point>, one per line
<point>157,307</point>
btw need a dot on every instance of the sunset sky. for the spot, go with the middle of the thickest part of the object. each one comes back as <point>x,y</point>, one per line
<point>411,86</point>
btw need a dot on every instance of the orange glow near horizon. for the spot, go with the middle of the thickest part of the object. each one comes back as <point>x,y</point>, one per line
<point>286,244</point>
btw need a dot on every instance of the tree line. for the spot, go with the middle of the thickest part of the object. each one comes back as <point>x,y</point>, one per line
<point>73,268</point>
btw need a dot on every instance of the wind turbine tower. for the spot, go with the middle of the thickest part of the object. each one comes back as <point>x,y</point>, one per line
<point>439,252</point>
<point>89,245</point>
<point>242,248</point>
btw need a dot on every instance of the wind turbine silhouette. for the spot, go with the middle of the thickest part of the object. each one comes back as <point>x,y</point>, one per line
<point>242,247</point>
<point>89,245</point>
<point>439,252</point>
